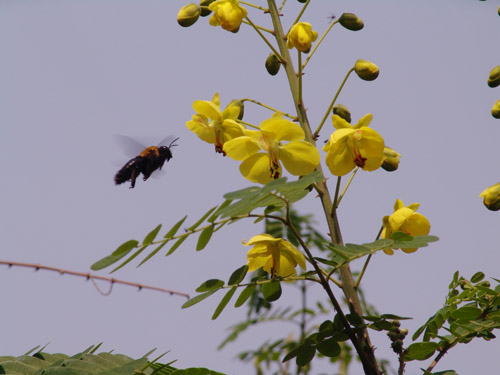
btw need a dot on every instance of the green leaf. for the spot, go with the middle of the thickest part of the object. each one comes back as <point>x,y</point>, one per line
<point>466,313</point>
<point>171,233</point>
<point>271,291</point>
<point>421,351</point>
<point>129,259</point>
<point>395,317</point>
<point>198,223</point>
<point>305,356</point>
<point>215,215</point>
<point>354,319</point>
<point>118,254</point>
<point>177,243</point>
<point>277,193</point>
<point>210,285</point>
<point>153,253</point>
<point>238,275</point>
<point>329,348</point>
<point>244,295</point>
<point>223,303</point>
<point>477,277</point>
<point>205,236</point>
<point>151,235</point>
<point>198,298</point>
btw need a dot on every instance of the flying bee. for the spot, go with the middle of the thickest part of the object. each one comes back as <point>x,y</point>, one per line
<point>148,161</point>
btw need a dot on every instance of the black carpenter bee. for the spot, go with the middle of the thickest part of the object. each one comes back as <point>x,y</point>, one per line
<point>148,161</point>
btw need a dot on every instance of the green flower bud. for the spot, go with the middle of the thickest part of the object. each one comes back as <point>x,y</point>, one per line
<point>351,22</point>
<point>491,197</point>
<point>273,64</point>
<point>188,15</point>
<point>499,10</point>
<point>342,111</point>
<point>204,7</point>
<point>495,111</point>
<point>301,1</point>
<point>237,103</point>
<point>366,70</point>
<point>494,78</point>
<point>390,162</point>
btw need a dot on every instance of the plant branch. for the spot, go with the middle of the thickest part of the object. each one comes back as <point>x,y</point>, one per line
<point>280,58</point>
<point>318,43</point>
<point>270,108</point>
<point>330,107</point>
<point>91,277</point>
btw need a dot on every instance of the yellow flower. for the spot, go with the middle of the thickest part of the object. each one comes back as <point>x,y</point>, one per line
<point>300,36</point>
<point>277,256</point>
<point>491,197</point>
<point>228,14</point>
<point>353,145</point>
<point>405,219</point>
<point>298,156</point>
<point>213,125</point>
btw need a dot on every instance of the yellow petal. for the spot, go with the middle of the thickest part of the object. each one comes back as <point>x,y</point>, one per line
<point>283,130</point>
<point>199,125</point>
<point>299,158</point>
<point>339,123</point>
<point>417,225</point>
<point>364,121</point>
<point>208,109</point>
<point>261,238</point>
<point>399,217</point>
<point>371,146</point>
<point>256,168</point>
<point>291,252</point>
<point>241,148</point>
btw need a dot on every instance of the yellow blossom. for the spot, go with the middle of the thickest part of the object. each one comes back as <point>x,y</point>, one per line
<point>353,145</point>
<point>277,256</point>
<point>300,36</point>
<point>405,219</point>
<point>298,156</point>
<point>228,14</point>
<point>491,197</point>
<point>213,125</point>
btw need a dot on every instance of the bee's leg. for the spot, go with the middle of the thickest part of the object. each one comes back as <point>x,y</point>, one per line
<point>132,179</point>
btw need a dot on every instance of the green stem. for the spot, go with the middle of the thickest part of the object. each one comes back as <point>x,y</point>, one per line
<point>269,107</point>
<point>258,27</point>
<point>361,341</point>
<point>299,64</point>
<point>346,186</point>
<point>254,6</point>
<point>302,12</point>
<point>265,40</point>
<point>281,6</point>
<point>330,107</point>
<point>318,43</point>
<point>361,274</point>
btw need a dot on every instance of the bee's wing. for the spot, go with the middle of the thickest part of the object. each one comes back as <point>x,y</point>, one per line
<point>130,146</point>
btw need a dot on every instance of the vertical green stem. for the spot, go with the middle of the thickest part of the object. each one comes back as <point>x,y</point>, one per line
<point>361,341</point>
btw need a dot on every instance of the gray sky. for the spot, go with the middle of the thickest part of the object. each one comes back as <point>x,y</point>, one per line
<point>73,74</point>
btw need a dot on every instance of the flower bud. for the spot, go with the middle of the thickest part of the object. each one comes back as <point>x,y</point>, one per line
<point>366,70</point>
<point>188,15</point>
<point>204,7</point>
<point>495,111</point>
<point>494,78</point>
<point>499,10</point>
<point>491,197</point>
<point>273,64</point>
<point>390,162</point>
<point>351,22</point>
<point>342,111</point>
<point>301,36</point>
<point>239,104</point>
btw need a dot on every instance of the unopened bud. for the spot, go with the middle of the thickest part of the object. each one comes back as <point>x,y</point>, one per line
<point>491,197</point>
<point>342,111</point>
<point>204,7</point>
<point>351,22</point>
<point>366,70</point>
<point>495,111</point>
<point>238,104</point>
<point>273,64</point>
<point>301,1</point>
<point>188,15</point>
<point>390,161</point>
<point>494,78</point>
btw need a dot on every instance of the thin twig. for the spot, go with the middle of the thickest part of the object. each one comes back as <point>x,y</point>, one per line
<point>91,277</point>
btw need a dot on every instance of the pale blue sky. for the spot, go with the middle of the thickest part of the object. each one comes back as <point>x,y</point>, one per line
<point>74,73</point>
